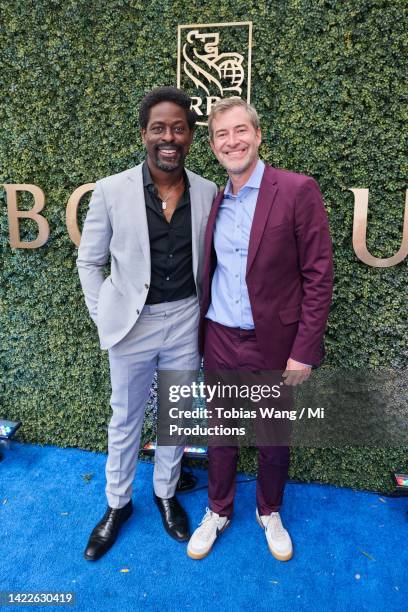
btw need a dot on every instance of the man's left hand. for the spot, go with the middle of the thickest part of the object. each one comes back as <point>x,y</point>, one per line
<point>296,372</point>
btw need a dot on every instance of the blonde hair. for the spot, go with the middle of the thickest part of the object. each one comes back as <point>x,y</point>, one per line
<point>226,104</point>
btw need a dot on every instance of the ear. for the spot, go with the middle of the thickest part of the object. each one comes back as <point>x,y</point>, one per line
<point>212,146</point>
<point>143,135</point>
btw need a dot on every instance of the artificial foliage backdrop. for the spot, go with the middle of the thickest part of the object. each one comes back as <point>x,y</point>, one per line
<point>328,80</point>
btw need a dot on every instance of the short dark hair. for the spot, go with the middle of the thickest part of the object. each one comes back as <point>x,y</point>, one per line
<point>166,94</point>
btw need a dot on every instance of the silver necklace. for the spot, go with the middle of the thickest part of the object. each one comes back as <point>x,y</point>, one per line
<point>164,198</point>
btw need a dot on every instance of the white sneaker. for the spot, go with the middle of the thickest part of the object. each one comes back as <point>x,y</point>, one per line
<point>206,533</point>
<point>278,538</point>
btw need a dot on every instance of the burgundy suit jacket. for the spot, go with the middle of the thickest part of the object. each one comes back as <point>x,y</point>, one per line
<point>289,271</point>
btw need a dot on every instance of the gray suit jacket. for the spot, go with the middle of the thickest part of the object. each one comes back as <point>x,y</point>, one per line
<point>116,226</point>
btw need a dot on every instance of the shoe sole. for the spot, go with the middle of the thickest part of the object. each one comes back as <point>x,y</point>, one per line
<point>198,556</point>
<point>273,553</point>
<point>87,558</point>
<point>175,538</point>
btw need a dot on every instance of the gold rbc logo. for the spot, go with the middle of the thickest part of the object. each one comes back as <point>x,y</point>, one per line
<point>214,62</point>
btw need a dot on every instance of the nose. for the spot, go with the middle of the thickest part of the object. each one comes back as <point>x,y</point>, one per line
<point>167,135</point>
<point>231,139</point>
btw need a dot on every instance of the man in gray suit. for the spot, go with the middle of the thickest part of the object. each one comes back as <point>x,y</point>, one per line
<point>150,220</point>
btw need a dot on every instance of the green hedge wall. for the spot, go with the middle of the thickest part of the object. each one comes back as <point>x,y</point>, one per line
<point>327,80</point>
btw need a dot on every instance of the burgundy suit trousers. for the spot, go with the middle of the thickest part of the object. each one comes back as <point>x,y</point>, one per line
<point>234,349</point>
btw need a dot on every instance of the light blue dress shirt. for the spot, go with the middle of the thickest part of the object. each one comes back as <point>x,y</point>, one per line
<point>230,304</point>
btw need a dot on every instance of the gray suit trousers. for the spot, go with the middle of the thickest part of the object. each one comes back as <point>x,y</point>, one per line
<point>164,338</point>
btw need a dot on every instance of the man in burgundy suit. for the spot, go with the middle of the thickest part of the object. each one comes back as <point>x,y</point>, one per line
<point>266,295</point>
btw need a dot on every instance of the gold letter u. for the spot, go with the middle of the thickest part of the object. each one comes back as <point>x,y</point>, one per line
<point>360,233</point>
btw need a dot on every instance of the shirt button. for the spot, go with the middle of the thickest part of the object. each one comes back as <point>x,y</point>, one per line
<point>236,276</point>
<point>146,286</point>
<point>237,249</point>
<point>171,255</point>
<point>167,277</point>
<point>137,312</point>
<point>237,301</point>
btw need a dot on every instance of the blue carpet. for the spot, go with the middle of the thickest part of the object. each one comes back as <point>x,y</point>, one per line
<point>350,547</point>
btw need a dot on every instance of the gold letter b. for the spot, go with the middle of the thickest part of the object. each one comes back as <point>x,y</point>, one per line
<point>14,215</point>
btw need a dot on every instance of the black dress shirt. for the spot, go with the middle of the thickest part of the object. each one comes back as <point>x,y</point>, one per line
<point>170,245</point>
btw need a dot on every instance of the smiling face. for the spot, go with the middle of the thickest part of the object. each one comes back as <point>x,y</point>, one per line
<point>167,136</point>
<point>235,141</point>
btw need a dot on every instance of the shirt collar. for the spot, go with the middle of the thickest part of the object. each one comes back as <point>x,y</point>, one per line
<point>254,180</point>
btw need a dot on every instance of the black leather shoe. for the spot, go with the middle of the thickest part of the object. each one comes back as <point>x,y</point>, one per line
<point>186,482</point>
<point>174,518</point>
<point>106,531</point>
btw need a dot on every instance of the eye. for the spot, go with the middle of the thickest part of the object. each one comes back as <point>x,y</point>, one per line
<point>156,129</point>
<point>179,129</point>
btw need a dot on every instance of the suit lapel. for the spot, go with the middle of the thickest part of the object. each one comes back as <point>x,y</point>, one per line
<point>208,241</point>
<point>209,233</point>
<point>137,210</point>
<point>266,196</point>
<point>196,220</point>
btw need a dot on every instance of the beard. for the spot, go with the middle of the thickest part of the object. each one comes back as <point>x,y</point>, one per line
<point>238,169</point>
<point>169,165</point>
